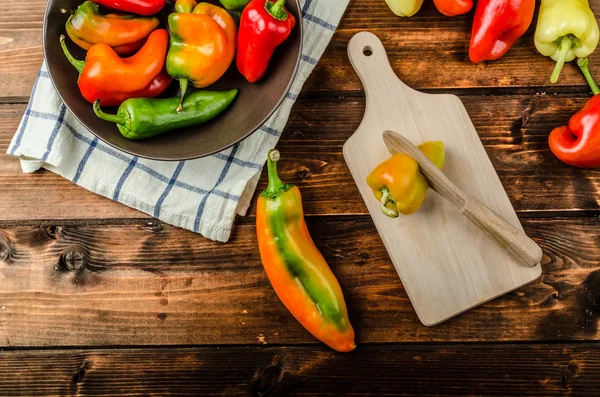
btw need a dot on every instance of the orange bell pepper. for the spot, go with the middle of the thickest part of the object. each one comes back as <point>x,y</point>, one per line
<point>203,43</point>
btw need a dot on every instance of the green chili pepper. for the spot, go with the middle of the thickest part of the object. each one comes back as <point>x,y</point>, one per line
<point>141,118</point>
<point>235,5</point>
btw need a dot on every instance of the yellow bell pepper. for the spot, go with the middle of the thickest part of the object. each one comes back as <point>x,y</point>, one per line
<point>405,8</point>
<point>566,29</point>
<point>399,185</point>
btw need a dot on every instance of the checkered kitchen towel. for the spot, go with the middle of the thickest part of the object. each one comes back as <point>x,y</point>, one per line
<point>200,195</point>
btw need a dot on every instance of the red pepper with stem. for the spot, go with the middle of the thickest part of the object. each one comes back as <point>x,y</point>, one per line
<point>139,7</point>
<point>578,144</point>
<point>105,76</point>
<point>498,24</point>
<point>263,26</point>
<point>451,8</point>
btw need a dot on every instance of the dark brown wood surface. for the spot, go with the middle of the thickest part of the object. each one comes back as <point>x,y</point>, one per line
<point>152,284</point>
<point>423,370</point>
<point>100,299</point>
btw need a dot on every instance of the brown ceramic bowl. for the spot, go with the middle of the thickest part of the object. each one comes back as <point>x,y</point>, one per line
<point>253,106</point>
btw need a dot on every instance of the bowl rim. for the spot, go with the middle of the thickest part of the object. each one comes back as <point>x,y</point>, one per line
<point>299,25</point>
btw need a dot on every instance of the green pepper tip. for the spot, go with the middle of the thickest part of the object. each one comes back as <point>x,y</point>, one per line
<point>274,155</point>
<point>583,64</point>
<point>275,183</point>
<point>77,64</point>
<point>277,10</point>
<point>566,43</point>
<point>386,197</point>
<point>183,84</point>
<point>113,118</point>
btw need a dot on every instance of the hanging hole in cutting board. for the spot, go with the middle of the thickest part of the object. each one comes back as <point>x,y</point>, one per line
<point>367,51</point>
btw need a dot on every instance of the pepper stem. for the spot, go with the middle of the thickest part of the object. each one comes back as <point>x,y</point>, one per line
<point>277,9</point>
<point>565,46</point>
<point>183,83</point>
<point>185,6</point>
<point>275,184</point>
<point>386,197</point>
<point>75,62</point>
<point>583,65</point>
<point>113,118</point>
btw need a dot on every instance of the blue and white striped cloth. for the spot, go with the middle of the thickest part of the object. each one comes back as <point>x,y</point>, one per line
<point>200,195</point>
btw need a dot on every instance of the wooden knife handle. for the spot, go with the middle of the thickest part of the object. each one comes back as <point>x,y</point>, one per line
<point>511,239</point>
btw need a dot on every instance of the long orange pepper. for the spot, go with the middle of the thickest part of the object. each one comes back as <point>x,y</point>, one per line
<point>298,272</point>
<point>124,33</point>
<point>106,76</point>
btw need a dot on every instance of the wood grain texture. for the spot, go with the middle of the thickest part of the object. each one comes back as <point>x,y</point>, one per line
<point>157,285</point>
<point>21,50</point>
<point>68,283</point>
<point>414,370</point>
<point>444,40</point>
<point>513,129</point>
<point>429,51</point>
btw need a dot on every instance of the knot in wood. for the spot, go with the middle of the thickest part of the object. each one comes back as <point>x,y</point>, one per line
<point>5,248</point>
<point>74,259</point>
<point>303,173</point>
<point>54,232</point>
<point>569,373</point>
<point>154,227</point>
<point>267,380</point>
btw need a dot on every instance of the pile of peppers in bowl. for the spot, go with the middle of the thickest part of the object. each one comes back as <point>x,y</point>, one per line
<point>566,29</point>
<point>130,61</point>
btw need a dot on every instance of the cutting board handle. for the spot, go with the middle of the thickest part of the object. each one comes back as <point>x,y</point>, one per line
<point>370,61</point>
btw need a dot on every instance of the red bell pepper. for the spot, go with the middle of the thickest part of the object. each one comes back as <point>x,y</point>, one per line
<point>496,27</point>
<point>578,144</point>
<point>139,7</point>
<point>263,26</point>
<point>452,8</point>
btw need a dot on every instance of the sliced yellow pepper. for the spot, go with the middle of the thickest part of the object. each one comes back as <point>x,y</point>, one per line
<point>399,185</point>
<point>405,8</point>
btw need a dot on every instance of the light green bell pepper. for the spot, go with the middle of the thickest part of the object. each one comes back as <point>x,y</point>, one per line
<point>566,29</point>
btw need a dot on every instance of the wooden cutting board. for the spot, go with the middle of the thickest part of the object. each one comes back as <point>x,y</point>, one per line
<point>447,264</point>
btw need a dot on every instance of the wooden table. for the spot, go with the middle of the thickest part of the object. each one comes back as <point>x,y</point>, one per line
<point>99,299</point>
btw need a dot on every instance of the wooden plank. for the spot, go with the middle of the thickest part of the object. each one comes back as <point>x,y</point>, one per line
<point>21,51</point>
<point>444,40</point>
<point>430,51</point>
<point>513,130</point>
<point>153,284</point>
<point>412,370</point>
